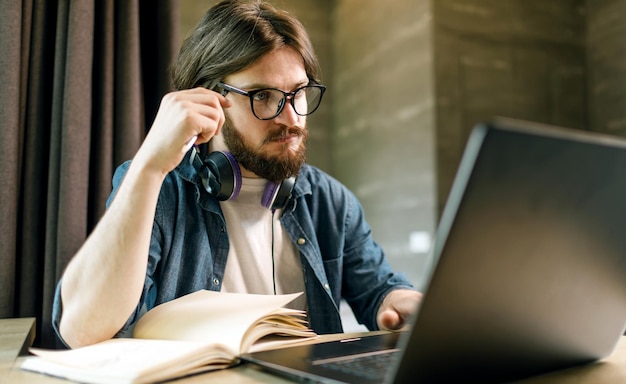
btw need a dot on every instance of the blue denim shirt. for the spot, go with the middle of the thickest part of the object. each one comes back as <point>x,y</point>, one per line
<point>189,247</point>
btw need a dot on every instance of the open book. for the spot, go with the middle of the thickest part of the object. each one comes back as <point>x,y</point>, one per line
<point>202,331</point>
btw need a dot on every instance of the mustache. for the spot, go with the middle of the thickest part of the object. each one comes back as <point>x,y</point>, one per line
<point>283,132</point>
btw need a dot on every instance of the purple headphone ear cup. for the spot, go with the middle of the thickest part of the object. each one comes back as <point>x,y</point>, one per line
<point>276,196</point>
<point>269,194</point>
<point>236,174</point>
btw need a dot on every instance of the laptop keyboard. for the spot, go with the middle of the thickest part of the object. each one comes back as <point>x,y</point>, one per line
<point>372,366</point>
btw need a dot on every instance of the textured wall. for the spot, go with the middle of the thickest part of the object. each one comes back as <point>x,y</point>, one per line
<point>383,131</point>
<point>606,58</point>
<point>515,58</point>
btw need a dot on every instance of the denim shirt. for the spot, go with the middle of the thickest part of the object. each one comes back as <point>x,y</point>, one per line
<point>189,248</point>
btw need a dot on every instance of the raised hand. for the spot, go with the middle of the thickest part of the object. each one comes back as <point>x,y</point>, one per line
<point>184,117</point>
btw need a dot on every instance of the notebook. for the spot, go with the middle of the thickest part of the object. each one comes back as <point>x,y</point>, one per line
<point>529,271</point>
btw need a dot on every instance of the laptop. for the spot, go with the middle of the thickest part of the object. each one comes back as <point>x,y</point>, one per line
<point>529,271</point>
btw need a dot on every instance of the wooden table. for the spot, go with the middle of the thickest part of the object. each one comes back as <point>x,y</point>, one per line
<point>17,334</point>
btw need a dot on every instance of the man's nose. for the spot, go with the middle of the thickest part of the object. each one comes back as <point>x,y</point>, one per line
<point>288,115</point>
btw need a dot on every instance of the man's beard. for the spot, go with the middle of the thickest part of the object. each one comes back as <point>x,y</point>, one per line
<point>273,168</point>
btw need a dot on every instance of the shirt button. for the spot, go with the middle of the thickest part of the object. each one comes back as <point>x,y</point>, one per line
<point>326,286</point>
<point>301,241</point>
<point>216,281</point>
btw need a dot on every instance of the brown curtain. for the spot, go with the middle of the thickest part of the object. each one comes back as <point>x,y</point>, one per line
<point>80,82</point>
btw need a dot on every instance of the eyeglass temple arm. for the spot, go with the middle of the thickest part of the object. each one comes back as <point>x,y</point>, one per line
<point>229,88</point>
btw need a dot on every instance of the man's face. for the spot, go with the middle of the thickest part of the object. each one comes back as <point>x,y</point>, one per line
<point>273,149</point>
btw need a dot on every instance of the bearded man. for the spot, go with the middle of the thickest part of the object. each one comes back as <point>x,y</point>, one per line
<point>260,220</point>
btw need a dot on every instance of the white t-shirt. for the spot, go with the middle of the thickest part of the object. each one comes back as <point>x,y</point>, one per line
<point>261,253</point>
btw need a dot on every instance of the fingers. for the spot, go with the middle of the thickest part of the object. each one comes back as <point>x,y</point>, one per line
<point>211,119</point>
<point>389,320</point>
<point>397,308</point>
<point>198,110</point>
<point>210,107</point>
<point>184,118</point>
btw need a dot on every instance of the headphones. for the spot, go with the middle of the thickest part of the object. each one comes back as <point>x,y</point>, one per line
<point>221,177</point>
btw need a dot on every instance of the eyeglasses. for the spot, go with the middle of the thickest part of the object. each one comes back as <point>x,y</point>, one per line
<point>267,103</point>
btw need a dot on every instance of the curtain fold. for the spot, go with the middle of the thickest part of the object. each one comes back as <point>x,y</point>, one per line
<point>10,144</point>
<point>73,106</point>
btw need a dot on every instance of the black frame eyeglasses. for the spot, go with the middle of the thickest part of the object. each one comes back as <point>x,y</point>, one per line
<point>267,103</point>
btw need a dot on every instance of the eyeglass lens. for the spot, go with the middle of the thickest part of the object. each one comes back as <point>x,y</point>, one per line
<point>268,103</point>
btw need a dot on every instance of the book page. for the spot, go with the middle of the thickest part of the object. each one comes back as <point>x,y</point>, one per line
<point>128,360</point>
<point>209,317</point>
<point>277,329</point>
<point>198,332</point>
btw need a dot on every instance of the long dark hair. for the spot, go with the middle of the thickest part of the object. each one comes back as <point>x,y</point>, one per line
<point>234,34</point>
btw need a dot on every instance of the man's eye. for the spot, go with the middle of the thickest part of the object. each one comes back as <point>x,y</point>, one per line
<point>262,96</point>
